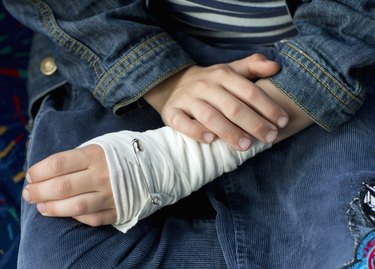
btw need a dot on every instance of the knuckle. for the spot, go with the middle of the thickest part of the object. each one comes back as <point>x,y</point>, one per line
<point>174,120</point>
<point>221,71</point>
<point>235,110</point>
<point>57,163</point>
<point>201,84</point>
<point>257,57</point>
<point>95,221</point>
<point>32,192</point>
<point>251,94</point>
<point>63,188</point>
<point>185,95</point>
<point>91,152</point>
<point>207,117</point>
<point>103,178</point>
<point>80,208</point>
<point>50,209</point>
<point>259,128</point>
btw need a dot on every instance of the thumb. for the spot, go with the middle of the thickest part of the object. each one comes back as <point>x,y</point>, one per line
<point>255,66</point>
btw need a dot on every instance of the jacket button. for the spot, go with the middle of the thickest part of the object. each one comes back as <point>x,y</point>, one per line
<point>48,66</point>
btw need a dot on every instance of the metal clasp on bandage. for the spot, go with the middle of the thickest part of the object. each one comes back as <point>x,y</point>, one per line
<point>138,147</point>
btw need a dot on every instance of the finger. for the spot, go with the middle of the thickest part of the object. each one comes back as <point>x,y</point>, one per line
<point>255,66</point>
<point>62,187</point>
<point>104,217</point>
<point>257,99</point>
<point>220,125</point>
<point>228,117</point>
<point>58,164</point>
<point>77,205</point>
<point>179,120</point>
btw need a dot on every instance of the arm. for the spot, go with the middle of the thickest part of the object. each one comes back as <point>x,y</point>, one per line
<point>104,185</point>
<point>298,121</point>
<point>323,66</point>
<point>322,71</point>
<point>129,54</point>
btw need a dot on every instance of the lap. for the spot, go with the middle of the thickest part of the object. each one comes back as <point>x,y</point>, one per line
<point>285,208</point>
<point>67,118</point>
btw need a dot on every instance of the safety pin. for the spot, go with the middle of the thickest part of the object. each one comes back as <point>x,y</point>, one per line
<point>138,147</point>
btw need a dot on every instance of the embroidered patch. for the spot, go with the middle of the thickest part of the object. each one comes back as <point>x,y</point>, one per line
<point>367,197</point>
<point>365,253</point>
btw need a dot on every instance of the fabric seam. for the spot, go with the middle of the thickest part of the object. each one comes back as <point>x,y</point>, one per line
<point>116,78</point>
<point>325,72</point>
<point>318,79</point>
<point>63,38</point>
<point>141,46</point>
<point>320,122</point>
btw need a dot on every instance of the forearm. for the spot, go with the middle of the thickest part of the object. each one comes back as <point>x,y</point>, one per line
<point>298,119</point>
<point>140,180</point>
<point>169,166</point>
<point>324,65</point>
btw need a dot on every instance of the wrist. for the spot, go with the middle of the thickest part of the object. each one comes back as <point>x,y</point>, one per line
<point>298,119</point>
<point>158,95</point>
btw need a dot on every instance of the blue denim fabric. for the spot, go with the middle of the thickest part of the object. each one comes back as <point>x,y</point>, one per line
<point>285,208</point>
<point>172,238</point>
<point>325,63</point>
<point>120,60</point>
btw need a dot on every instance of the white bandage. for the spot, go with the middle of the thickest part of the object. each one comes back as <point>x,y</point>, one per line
<point>169,167</point>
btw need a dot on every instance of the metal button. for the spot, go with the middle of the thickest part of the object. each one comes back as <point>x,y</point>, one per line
<point>48,66</point>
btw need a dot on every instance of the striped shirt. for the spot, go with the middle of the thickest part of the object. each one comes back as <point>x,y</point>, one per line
<point>231,23</point>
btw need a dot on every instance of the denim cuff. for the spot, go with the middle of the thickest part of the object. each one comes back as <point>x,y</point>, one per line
<point>140,70</point>
<point>315,87</point>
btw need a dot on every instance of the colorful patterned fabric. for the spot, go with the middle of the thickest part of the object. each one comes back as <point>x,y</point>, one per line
<point>15,42</point>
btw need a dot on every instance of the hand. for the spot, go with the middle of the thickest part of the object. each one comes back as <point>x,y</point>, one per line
<point>221,100</point>
<point>73,183</point>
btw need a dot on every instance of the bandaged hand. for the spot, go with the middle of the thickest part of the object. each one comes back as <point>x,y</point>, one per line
<point>113,180</point>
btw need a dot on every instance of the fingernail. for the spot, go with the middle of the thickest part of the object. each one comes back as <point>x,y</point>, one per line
<point>282,121</point>
<point>28,178</point>
<point>208,137</point>
<point>244,143</point>
<point>271,136</point>
<point>41,208</point>
<point>26,195</point>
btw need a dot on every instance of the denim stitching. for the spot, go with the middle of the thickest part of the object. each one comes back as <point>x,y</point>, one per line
<point>318,79</point>
<point>154,38</point>
<point>323,124</point>
<point>130,65</point>
<point>65,40</point>
<point>151,85</point>
<point>71,44</point>
<point>326,73</point>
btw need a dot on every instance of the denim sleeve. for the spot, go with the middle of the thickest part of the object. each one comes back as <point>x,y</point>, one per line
<point>113,47</point>
<point>324,65</point>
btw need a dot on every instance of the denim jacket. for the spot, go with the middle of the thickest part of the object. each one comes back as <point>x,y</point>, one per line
<point>119,51</point>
